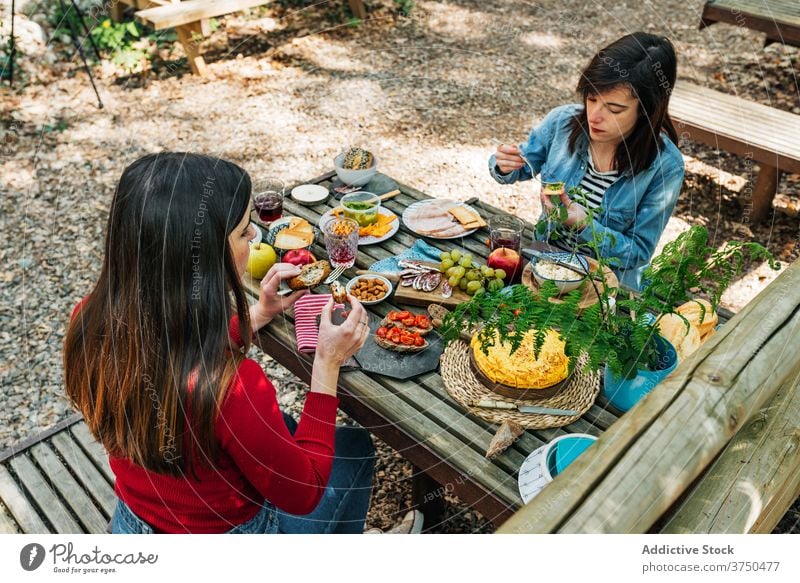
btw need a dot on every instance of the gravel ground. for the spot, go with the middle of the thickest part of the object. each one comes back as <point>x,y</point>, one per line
<point>431,94</point>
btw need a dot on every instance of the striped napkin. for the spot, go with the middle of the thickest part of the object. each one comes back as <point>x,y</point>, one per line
<point>306,325</point>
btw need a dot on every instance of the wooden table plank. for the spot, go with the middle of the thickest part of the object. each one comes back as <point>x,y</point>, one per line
<point>96,452</point>
<point>748,488</point>
<point>70,490</point>
<point>7,523</point>
<point>16,501</point>
<point>47,500</point>
<point>779,19</point>
<point>90,477</point>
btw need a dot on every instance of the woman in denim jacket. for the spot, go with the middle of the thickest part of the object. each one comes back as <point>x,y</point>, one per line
<point>619,147</point>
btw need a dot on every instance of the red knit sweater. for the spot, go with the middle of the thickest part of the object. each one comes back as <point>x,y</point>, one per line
<point>259,459</point>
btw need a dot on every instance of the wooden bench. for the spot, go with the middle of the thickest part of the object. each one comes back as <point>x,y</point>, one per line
<point>190,19</point>
<point>757,132</point>
<point>56,482</point>
<point>779,19</point>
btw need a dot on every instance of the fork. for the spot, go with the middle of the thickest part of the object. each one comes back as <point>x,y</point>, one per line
<point>334,275</point>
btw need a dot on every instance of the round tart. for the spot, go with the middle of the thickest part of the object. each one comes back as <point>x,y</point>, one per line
<point>521,370</point>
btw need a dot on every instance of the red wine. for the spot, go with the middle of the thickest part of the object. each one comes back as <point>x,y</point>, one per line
<point>269,207</point>
<point>496,243</point>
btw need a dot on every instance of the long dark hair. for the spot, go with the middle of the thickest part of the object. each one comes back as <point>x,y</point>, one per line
<point>647,64</point>
<point>156,323</point>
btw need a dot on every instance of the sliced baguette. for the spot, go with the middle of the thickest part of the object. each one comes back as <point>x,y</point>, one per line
<point>311,275</point>
<point>389,345</point>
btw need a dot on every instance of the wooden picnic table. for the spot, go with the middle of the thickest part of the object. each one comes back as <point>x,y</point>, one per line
<point>416,417</point>
<point>779,19</point>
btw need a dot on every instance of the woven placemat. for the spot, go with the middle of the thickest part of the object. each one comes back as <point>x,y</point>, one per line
<point>461,384</point>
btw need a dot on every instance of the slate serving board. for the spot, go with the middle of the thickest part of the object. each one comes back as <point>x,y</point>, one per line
<point>397,365</point>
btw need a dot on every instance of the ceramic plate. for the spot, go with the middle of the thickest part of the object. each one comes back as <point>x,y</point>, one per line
<point>531,479</point>
<point>259,235</point>
<point>310,194</point>
<point>414,225</point>
<point>368,240</point>
<point>355,280</point>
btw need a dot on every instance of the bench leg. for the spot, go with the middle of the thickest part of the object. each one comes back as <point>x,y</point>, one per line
<point>764,192</point>
<point>427,496</point>
<point>117,10</point>
<point>358,9</point>
<point>196,62</point>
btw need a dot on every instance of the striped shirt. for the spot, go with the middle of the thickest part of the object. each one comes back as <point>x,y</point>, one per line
<point>594,184</point>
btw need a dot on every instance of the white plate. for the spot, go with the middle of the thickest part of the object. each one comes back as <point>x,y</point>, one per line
<point>417,204</point>
<point>355,280</point>
<point>531,478</point>
<point>259,235</point>
<point>310,194</point>
<point>367,240</point>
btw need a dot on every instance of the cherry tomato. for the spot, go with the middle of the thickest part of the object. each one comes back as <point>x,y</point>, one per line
<point>409,321</point>
<point>419,341</point>
<point>422,321</point>
<point>381,332</point>
<point>394,335</point>
<point>402,315</point>
<point>407,339</point>
<point>393,316</point>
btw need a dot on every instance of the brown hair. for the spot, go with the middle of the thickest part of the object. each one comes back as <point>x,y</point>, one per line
<point>147,356</point>
<point>647,64</point>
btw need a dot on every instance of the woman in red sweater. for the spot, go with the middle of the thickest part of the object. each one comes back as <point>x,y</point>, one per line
<point>155,359</point>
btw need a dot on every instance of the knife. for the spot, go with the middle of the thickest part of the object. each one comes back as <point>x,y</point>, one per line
<point>492,404</point>
<point>539,255</point>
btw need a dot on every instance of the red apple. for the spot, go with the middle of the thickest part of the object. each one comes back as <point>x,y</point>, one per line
<point>508,260</point>
<point>299,257</point>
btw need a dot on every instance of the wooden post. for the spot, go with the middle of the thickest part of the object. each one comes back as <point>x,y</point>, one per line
<point>764,192</point>
<point>196,62</point>
<point>643,463</point>
<point>427,496</point>
<point>358,9</point>
<point>117,10</point>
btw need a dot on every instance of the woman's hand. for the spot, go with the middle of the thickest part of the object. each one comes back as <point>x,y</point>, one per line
<point>335,344</point>
<point>508,159</point>
<point>576,214</point>
<point>270,304</point>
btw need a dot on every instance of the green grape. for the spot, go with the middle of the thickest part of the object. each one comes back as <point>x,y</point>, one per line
<point>479,292</point>
<point>444,255</point>
<point>465,262</point>
<point>467,256</point>
<point>459,271</point>
<point>473,286</point>
<point>447,263</point>
<point>495,285</point>
<point>453,281</point>
<point>455,254</point>
<point>451,271</point>
<point>500,273</point>
<point>488,272</point>
<point>472,275</point>
<point>462,284</point>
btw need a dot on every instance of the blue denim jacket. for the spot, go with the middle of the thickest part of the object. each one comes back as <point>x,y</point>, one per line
<point>636,208</point>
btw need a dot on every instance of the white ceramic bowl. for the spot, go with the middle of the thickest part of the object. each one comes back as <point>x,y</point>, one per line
<point>355,280</point>
<point>563,285</point>
<point>355,177</point>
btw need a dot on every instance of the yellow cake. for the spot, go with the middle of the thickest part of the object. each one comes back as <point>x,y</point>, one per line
<point>521,370</point>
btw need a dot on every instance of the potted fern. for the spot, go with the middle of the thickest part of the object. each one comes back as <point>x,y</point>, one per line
<point>626,339</point>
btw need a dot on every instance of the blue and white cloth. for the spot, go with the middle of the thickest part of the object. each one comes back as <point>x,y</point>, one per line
<point>419,251</point>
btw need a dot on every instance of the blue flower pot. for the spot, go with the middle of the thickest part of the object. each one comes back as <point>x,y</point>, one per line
<point>625,393</point>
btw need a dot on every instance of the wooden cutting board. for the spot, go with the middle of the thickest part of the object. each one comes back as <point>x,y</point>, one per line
<point>413,297</point>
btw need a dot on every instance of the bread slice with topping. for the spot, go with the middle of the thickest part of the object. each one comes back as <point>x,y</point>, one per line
<point>311,275</point>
